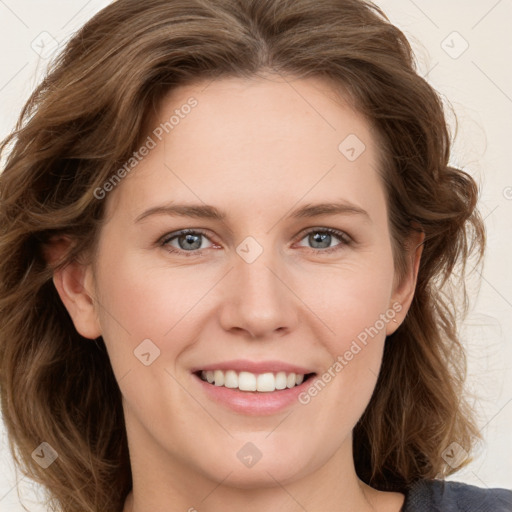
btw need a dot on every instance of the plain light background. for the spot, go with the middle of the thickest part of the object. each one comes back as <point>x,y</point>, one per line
<point>462,48</point>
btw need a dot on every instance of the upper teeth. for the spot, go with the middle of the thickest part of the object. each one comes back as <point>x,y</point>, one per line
<point>247,381</point>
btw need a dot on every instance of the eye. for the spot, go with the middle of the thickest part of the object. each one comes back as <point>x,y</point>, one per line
<point>189,242</point>
<point>321,239</point>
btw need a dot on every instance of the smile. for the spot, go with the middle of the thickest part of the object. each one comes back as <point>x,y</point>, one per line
<point>253,387</point>
<point>246,381</point>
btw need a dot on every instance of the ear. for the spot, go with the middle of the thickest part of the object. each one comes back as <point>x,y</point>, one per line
<point>403,292</point>
<point>75,286</point>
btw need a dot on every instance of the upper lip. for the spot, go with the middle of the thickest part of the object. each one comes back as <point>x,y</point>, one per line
<point>243,365</point>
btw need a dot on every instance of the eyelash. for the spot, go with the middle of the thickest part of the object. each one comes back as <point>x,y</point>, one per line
<point>343,237</point>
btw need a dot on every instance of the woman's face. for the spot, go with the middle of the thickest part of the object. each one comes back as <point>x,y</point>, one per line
<point>266,290</point>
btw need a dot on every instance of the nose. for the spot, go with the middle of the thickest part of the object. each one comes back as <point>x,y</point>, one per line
<point>259,299</point>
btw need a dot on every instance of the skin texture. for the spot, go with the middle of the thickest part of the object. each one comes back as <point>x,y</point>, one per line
<point>257,150</point>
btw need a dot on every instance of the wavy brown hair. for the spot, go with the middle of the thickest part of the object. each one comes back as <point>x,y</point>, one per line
<point>85,120</point>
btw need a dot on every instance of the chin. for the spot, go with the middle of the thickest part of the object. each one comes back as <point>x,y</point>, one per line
<point>258,464</point>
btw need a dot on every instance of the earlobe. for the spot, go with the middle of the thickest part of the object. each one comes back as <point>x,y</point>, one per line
<point>74,284</point>
<point>404,292</point>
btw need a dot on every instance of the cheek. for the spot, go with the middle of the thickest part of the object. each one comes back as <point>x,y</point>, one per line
<point>355,304</point>
<point>140,301</point>
<point>351,300</point>
<point>135,305</point>
<point>341,392</point>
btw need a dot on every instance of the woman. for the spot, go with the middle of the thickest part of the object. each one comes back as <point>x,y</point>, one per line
<point>228,236</point>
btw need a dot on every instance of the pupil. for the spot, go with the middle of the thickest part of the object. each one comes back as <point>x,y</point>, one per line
<point>190,240</point>
<point>321,237</point>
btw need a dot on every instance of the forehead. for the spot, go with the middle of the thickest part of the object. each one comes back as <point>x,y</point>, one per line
<point>252,142</point>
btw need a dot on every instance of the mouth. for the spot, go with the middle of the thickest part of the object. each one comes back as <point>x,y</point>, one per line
<point>254,388</point>
<point>267,382</point>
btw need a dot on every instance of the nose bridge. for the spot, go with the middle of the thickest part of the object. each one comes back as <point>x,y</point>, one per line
<point>256,271</point>
<point>260,302</point>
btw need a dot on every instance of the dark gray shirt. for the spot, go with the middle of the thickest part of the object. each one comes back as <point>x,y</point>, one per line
<point>444,496</point>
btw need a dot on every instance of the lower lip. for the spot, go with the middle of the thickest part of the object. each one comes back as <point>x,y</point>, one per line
<point>253,402</point>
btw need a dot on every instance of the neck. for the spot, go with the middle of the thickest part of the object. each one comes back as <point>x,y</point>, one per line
<point>221,497</point>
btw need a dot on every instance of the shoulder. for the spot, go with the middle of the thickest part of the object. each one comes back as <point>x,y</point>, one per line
<point>444,496</point>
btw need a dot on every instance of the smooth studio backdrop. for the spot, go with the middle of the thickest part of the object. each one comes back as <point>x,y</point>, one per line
<point>462,48</point>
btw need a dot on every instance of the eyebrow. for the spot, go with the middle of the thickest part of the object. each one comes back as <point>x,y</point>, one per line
<point>204,211</point>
